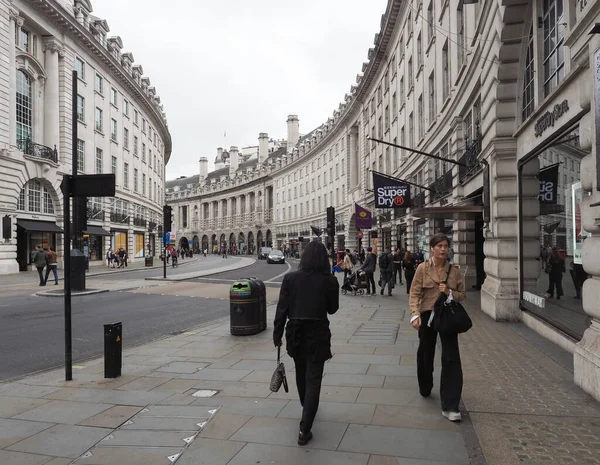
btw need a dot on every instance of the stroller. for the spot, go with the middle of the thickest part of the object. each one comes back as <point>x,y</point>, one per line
<point>355,283</point>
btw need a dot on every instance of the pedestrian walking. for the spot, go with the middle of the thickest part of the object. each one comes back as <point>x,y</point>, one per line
<point>308,338</point>
<point>386,264</point>
<point>432,277</point>
<point>409,265</point>
<point>38,257</point>
<point>109,257</point>
<point>52,265</point>
<point>397,266</point>
<point>555,269</point>
<point>347,264</point>
<point>368,267</point>
<point>205,251</point>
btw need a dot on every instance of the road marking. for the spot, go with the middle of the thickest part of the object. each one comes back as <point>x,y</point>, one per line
<point>279,275</point>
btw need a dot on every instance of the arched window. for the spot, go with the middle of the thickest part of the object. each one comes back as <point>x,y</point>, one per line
<point>24,107</point>
<point>35,198</point>
<point>529,79</point>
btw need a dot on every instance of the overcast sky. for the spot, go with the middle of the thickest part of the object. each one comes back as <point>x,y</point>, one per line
<point>242,66</point>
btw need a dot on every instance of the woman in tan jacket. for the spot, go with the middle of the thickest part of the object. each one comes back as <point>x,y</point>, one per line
<point>432,277</point>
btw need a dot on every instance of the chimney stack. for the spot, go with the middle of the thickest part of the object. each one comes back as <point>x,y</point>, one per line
<point>293,132</point>
<point>234,161</point>
<point>263,147</point>
<point>203,168</point>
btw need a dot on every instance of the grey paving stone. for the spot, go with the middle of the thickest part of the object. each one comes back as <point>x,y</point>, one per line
<point>392,370</point>
<point>405,442</point>
<point>337,379</point>
<point>263,376</point>
<point>61,441</point>
<point>137,438</point>
<point>129,456</point>
<point>221,344</point>
<point>224,425</point>
<point>26,390</point>
<point>245,405</point>
<point>284,432</point>
<point>387,460</point>
<point>328,393</point>
<point>58,411</point>
<point>346,368</point>
<point>143,383</point>
<point>197,411</point>
<point>199,353</point>
<point>363,358</point>
<point>179,399</point>
<point>215,374</point>
<point>236,389</point>
<point>140,398</point>
<point>205,451</point>
<point>428,417</point>
<point>243,354</point>
<point>12,405</point>
<point>164,424</point>
<point>12,431</point>
<point>182,367</point>
<point>333,411</point>
<point>112,417</point>
<point>391,397</point>
<point>279,455</point>
<point>59,461</point>
<point>9,458</point>
<point>255,365</point>
<point>176,385</point>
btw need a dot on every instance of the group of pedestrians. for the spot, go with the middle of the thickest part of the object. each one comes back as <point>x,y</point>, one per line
<point>307,332</point>
<point>45,258</point>
<point>116,258</point>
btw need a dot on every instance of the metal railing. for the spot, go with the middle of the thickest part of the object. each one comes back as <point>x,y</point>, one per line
<point>28,147</point>
<point>139,221</point>
<point>442,186</point>
<point>419,200</point>
<point>119,217</point>
<point>470,160</point>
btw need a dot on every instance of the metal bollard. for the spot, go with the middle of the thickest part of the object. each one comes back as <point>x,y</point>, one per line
<point>113,349</point>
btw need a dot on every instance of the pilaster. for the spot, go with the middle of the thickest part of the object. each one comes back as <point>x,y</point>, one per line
<point>52,52</point>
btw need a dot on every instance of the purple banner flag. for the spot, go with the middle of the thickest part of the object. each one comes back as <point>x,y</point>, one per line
<point>363,217</point>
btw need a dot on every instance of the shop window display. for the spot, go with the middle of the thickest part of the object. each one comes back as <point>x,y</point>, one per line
<point>552,289</point>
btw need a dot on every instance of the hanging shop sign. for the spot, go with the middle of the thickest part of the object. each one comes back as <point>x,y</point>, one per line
<point>548,119</point>
<point>390,193</point>
<point>548,184</point>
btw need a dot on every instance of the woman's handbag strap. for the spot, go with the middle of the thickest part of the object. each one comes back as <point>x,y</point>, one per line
<point>278,353</point>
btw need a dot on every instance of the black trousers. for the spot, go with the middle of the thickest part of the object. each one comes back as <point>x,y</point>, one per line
<point>40,270</point>
<point>452,377</point>
<point>397,274</point>
<point>386,278</point>
<point>370,282</point>
<point>308,381</point>
<point>409,278</point>
<point>555,280</point>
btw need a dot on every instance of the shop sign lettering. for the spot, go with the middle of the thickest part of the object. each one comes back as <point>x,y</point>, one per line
<point>548,119</point>
<point>534,299</point>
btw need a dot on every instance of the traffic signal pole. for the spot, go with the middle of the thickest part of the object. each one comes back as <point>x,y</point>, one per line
<point>167,218</point>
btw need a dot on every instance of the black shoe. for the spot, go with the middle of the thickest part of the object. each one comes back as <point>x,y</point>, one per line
<point>425,393</point>
<point>381,292</point>
<point>304,438</point>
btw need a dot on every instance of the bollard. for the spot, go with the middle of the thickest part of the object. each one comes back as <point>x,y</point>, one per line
<point>113,349</point>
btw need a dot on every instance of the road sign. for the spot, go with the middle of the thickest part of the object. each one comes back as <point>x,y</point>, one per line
<point>173,237</point>
<point>167,238</point>
<point>93,185</point>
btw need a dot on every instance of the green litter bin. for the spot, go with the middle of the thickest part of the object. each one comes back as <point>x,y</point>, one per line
<point>246,301</point>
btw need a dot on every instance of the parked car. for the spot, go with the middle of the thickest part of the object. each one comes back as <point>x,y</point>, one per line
<point>264,253</point>
<point>276,256</point>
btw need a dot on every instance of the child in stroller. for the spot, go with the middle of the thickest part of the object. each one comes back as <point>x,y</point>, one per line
<point>355,283</point>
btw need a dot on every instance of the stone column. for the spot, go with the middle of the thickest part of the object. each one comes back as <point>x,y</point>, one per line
<point>530,238</point>
<point>15,21</point>
<point>463,239</point>
<point>587,352</point>
<point>353,157</point>
<point>52,52</point>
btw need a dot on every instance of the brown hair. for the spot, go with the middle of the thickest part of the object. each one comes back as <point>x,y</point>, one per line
<point>437,238</point>
<point>408,256</point>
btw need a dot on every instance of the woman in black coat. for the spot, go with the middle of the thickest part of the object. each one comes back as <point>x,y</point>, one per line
<point>409,265</point>
<point>555,269</point>
<point>307,296</point>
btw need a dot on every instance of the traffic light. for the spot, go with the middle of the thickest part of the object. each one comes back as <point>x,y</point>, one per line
<point>330,221</point>
<point>167,218</point>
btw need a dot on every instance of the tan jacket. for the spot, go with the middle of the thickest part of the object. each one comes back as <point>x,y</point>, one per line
<point>51,257</point>
<point>424,290</point>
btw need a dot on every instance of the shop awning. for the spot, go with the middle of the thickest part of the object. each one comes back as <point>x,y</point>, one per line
<point>39,226</point>
<point>96,231</point>
<point>458,212</point>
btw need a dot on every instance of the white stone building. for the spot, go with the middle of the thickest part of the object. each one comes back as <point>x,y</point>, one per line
<point>502,92</point>
<point>121,128</point>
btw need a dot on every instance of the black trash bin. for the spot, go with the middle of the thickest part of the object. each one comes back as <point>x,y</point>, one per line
<point>113,349</point>
<point>246,313</point>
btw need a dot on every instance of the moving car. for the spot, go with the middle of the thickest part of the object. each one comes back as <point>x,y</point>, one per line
<point>264,253</point>
<point>276,256</point>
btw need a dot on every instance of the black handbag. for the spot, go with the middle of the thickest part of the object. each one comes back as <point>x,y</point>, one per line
<point>450,317</point>
<point>278,377</point>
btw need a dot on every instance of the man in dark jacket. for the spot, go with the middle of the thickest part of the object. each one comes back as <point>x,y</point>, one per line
<point>397,266</point>
<point>369,268</point>
<point>386,267</point>
<point>39,260</point>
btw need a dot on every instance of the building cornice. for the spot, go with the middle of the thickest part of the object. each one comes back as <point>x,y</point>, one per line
<point>68,24</point>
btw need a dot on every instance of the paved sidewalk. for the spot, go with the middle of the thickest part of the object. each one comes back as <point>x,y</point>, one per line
<point>521,401</point>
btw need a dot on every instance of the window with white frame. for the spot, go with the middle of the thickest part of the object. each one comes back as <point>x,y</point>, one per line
<point>445,72</point>
<point>125,107</point>
<point>143,153</point>
<point>98,120</point>
<point>126,138</point>
<point>113,96</point>
<point>80,108</point>
<point>126,175</point>
<point>410,82</point>
<point>554,34</point>
<point>135,145</point>
<point>135,116</point>
<point>461,43</point>
<point>80,155</point>
<point>135,180</point>
<point>80,68</point>
<point>419,52</point>
<point>432,102</point>
<point>113,130</point>
<point>113,165</point>
<point>421,117</point>
<point>143,184</point>
<point>529,79</point>
<point>24,108</point>
<point>430,22</point>
<point>99,84</point>
<point>35,198</point>
<point>98,160</point>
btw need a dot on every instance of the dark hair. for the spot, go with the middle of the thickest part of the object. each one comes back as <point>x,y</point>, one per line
<point>437,238</point>
<point>369,249</point>
<point>408,256</point>
<point>314,258</point>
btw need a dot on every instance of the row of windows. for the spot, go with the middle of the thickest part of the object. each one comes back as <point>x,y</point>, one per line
<point>312,207</point>
<point>35,198</point>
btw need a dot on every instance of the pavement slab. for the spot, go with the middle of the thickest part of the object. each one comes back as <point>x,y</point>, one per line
<point>182,367</point>
<point>140,398</point>
<point>129,456</point>
<point>204,451</point>
<point>246,405</point>
<point>284,432</point>
<point>224,425</point>
<point>67,441</point>
<point>12,405</point>
<point>279,455</point>
<point>333,411</point>
<point>64,412</point>
<point>12,431</point>
<point>339,379</point>
<point>112,417</point>
<point>9,458</point>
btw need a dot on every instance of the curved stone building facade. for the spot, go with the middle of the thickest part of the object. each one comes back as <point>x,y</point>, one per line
<point>122,129</point>
<point>502,94</point>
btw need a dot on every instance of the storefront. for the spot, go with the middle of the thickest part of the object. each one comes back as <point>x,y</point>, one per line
<point>421,238</point>
<point>30,234</point>
<point>93,242</point>
<point>550,191</point>
<point>138,244</point>
<point>119,239</point>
